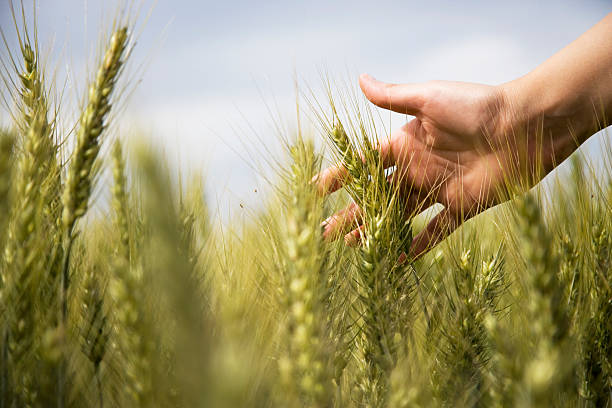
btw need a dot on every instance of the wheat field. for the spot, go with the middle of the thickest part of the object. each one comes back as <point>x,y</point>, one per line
<point>148,304</point>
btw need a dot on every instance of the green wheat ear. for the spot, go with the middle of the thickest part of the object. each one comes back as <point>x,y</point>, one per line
<point>92,124</point>
<point>80,177</point>
<point>23,260</point>
<point>305,367</point>
<point>96,331</point>
<point>34,102</point>
<point>351,161</point>
<point>27,191</point>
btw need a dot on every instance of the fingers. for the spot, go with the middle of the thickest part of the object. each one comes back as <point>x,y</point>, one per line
<point>341,222</point>
<point>330,179</point>
<point>354,237</point>
<point>401,98</point>
<point>441,226</point>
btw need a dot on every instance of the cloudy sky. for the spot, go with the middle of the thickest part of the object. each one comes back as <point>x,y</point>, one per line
<point>215,72</point>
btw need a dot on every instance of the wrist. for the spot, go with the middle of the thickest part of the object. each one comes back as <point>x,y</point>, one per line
<point>529,107</point>
<point>543,118</point>
<point>551,100</point>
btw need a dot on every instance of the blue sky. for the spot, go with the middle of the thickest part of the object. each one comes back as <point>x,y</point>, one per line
<point>216,67</point>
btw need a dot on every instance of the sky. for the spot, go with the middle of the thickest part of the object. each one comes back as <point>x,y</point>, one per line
<point>210,78</point>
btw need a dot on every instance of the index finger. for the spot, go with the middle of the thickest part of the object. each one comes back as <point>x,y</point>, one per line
<point>330,179</point>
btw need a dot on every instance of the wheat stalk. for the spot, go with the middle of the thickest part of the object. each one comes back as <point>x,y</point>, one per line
<point>548,313</point>
<point>120,201</point>
<point>383,295</point>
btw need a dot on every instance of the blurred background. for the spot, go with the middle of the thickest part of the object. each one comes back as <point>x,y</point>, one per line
<point>213,78</point>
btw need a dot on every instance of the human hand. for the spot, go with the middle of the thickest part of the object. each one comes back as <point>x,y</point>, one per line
<point>453,153</point>
<point>470,145</point>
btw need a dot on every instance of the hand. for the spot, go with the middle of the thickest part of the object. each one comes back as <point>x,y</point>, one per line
<point>471,145</point>
<point>454,153</point>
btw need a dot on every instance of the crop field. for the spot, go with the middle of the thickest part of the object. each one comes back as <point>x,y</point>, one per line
<point>149,304</point>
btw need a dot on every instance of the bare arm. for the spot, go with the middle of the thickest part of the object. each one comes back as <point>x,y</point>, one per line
<point>571,92</point>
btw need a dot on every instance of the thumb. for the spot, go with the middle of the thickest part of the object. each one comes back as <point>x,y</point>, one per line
<point>401,98</point>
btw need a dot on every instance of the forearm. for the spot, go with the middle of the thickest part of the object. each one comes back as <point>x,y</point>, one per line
<point>569,96</point>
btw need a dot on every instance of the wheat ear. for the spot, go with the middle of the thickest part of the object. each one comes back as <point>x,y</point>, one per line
<point>23,257</point>
<point>96,334</point>
<point>80,177</point>
<point>34,102</point>
<point>305,367</point>
<point>93,123</point>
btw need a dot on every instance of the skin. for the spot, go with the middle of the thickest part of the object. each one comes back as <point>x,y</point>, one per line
<point>470,145</point>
